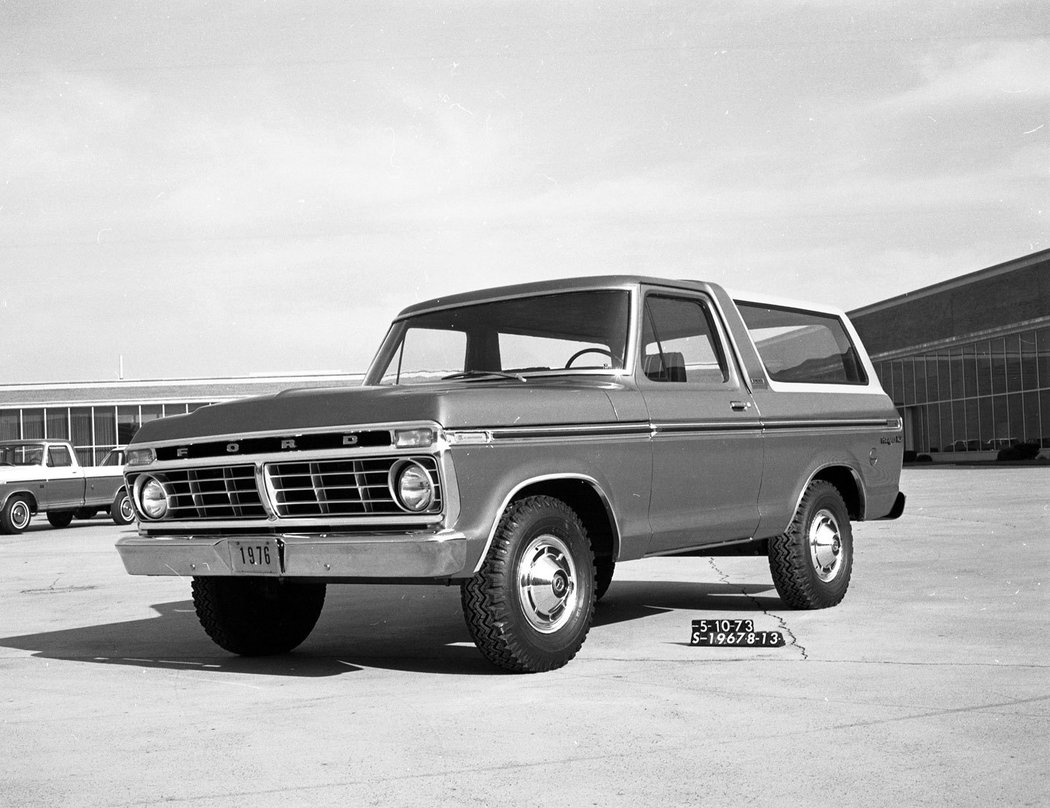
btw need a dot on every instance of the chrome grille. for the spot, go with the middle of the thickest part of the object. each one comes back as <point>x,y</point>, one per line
<point>341,487</point>
<point>222,492</point>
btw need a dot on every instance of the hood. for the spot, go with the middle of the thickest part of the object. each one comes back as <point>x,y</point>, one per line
<point>538,402</point>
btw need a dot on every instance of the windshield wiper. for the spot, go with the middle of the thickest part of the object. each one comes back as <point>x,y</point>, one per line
<point>480,374</point>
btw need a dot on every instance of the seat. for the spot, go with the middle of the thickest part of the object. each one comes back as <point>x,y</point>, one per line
<point>665,367</point>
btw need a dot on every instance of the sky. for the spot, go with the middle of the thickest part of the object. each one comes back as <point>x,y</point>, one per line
<point>228,189</point>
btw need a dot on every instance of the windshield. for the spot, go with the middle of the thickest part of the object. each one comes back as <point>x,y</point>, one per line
<point>566,332</point>
<point>21,454</point>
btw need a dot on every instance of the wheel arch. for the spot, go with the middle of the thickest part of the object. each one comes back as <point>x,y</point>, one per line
<point>33,506</point>
<point>581,493</point>
<point>850,486</point>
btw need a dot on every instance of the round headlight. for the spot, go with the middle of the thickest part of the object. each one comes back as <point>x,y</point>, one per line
<point>153,499</point>
<point>412,486</point>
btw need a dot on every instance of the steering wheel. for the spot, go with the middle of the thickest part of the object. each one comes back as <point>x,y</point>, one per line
<point>615,359</point>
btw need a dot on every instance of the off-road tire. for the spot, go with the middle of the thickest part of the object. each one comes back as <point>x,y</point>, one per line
<point>121,511</point>
<point>60,518</point>
<point>520,621</point>
<point>812,561</point>
<point>257,616</point>
<point>604,567</point>
<point>16,515</point>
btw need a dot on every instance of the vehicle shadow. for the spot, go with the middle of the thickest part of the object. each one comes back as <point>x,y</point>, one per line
<point>412,629</point>
<point>39,524</point>
<point>632,600</point>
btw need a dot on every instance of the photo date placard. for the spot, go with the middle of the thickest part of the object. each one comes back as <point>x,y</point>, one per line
<point>733,632</point>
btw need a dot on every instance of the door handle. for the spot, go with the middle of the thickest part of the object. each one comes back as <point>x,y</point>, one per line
<point>740,406</point>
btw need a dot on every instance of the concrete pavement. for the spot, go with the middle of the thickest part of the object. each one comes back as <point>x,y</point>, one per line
<point>927,686</point>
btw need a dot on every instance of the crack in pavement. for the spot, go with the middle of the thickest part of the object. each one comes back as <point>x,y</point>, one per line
<point>784,627</point>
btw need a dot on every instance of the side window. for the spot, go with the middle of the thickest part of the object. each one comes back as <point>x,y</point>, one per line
<point>804,347</point>
<point>58,456</point>
<point>679,342</point>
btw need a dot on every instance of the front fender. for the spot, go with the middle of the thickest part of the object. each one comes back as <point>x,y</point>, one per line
<point>489,476</point>
<point>8,491</point>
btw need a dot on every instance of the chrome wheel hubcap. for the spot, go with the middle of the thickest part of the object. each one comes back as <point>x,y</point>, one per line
<point>20,515</point>
<point>825,545</point>
<point>125,509</point>
<point>547,584</point>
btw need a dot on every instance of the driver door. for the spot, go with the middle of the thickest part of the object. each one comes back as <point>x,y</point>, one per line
<point>65,482</point>
<point>707,436</point>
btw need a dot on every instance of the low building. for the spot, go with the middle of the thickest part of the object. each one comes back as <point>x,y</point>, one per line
<point>98,416</point>
<point>967,361</point>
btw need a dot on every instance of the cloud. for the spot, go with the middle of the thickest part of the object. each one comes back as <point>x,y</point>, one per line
<point>980,73</point>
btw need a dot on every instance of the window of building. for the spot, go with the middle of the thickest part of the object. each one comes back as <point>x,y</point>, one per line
<point>984,368</point>
<point>1029,361</point>
<point>33,424</point>
<point>80,423</point>
<point>932,377</point>
<point>1044,413</point>
<point>1013,363</point>
<point>1030,413</point>
<point>910,388</point>
<point>10,425</point>
<point>105,420</point>
<point>933,434</point>
<point>57,423</point>
<point>128,424</point>
<point>988,434</point>
<point>1043,359</point>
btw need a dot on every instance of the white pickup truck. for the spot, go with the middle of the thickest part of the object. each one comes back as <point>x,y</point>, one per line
<point>44,476</point>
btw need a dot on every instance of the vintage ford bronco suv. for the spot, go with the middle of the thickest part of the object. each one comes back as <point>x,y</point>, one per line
<point>44,475</point>
<point>519,442</point>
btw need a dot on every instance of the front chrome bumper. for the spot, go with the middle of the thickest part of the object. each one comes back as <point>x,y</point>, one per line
<point>429,554</point>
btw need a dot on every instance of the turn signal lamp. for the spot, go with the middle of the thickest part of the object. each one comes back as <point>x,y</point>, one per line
<point>139,457</point>
<point>414,438</point>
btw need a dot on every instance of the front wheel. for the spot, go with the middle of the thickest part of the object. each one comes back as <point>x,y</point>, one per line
<point>60,518</point>
<point>529,607</point>
<point>257,616</point>
<point>16,515</point>
<point>121,511</point>
<point>604,568</point>
<point>812,561</point>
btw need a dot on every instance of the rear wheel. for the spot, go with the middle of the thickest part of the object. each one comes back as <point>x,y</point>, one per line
<point>121,511</point>
<point>529,607</point>
<point>16,515</point>
<point>812,561</point>
<point>257,616</point>
<point>60,518</point>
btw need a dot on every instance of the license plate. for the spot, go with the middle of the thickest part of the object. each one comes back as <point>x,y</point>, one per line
<point>254,557</point>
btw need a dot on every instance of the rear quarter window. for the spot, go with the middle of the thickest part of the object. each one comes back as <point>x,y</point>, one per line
<point>803,347</point>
